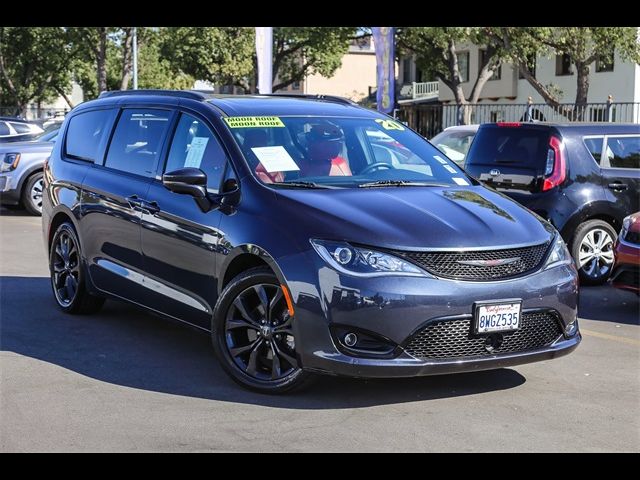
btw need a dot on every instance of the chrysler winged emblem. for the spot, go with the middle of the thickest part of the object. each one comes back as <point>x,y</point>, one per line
<point>489,263</point>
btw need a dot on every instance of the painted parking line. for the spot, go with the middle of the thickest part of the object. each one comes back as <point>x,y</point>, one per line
<point>615,338</point>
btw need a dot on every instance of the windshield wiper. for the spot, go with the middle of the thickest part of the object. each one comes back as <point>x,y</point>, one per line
<point>400,183</point>
<point>299,184</point>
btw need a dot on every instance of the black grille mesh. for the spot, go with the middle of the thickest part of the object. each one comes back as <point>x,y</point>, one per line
<point>454,339</point>
<point>446,264</point>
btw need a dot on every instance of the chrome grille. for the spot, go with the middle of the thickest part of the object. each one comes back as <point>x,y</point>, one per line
<point>454,338</point>
<point>487,265</point>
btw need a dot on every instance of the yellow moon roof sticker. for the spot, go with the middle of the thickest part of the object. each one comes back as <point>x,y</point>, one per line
<point>249,122</point>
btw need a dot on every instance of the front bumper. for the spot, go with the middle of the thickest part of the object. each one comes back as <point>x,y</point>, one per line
<point>9,189</point>
<point>395,308</point>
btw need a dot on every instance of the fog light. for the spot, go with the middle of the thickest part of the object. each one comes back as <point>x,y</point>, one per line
<point>350,339</point>
<point>571,329</point>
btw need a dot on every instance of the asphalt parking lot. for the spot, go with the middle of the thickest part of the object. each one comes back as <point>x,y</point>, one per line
<point>123,380</point>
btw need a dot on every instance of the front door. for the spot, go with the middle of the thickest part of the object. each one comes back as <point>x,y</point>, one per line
<point>112,203</point>
<point>179,240</point>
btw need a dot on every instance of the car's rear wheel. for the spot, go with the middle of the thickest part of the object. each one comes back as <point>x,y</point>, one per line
<point>32,193</point>
<point>68,274</point>
<point>253,336</point>
<point>592,250</point>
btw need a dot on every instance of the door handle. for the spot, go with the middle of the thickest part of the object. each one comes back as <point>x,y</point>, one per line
<point>618,186</point>
<point>134,201</point>
<point>151,207</point>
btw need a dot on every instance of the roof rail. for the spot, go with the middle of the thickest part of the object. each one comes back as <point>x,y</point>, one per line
<point>328,98</point>
<point>193,95</point>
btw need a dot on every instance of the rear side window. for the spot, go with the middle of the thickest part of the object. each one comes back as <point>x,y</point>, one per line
<point>87,134</point>
<point>4,130</point>
<point>20,127</point>
<point>623,152</point>
<point>526,147</point>
<point>594,145</point>
<point>137,141</point>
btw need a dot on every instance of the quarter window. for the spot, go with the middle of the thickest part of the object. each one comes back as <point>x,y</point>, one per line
<point>623,152</point>
<point>594,145</point>
<point>87,134</point>
<point>137,141</point>
<point>20,127</point>
<point>194,145</point>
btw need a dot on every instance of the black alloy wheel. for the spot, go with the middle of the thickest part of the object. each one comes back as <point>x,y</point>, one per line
<point>67,275</point>
<point>253,334</point>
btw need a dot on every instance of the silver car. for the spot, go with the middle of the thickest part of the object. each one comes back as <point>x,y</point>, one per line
<point>21,166</point>
<point>454,142</point>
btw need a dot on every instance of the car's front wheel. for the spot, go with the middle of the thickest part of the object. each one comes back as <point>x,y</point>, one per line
<point>253,336</point>
<point>32,193</point>
<point>592,250</point>
<point>68,274</point>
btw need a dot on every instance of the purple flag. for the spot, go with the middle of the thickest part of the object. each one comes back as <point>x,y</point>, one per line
<point>385,68</point>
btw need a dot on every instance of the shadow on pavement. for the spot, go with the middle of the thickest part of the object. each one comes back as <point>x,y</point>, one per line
<point>125,346</point>
<point>14,211</point>
<point>608,304</point>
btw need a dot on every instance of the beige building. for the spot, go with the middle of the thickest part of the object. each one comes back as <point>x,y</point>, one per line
<point>354,77</point>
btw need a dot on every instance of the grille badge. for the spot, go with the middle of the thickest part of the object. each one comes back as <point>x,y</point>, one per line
<point>494,172</point>
<point>490,263</point>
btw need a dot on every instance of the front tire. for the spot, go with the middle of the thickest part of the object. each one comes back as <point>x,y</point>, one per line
<point>68,273</point>
<point>32,194</point>
<point>252,334</point>
<point>592,251</point>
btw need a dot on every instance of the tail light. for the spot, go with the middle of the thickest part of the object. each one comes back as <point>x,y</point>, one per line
<point>556,170</point>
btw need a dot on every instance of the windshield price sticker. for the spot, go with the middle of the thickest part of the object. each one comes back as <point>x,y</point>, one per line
<point>389,124</point>
<point>252,122</point>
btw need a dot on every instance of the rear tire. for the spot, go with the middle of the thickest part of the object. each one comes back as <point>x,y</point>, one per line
<point>32,194</point>
<point>592,251</point>
<point>67,271</point>
<point>252,334</point>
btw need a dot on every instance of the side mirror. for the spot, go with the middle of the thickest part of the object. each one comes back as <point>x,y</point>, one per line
<point>190,181</point>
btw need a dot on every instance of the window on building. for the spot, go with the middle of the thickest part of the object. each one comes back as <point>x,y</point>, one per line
<point>563,65</point>
<point>604,62</point>
<point>295,85</point>
<point>530,65</point>
<point>482,61</point>
<point>463,66</point>
<point>406,70</point>
<point>137,140</point>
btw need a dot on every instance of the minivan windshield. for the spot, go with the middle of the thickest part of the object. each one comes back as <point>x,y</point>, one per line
<point>340,152</point>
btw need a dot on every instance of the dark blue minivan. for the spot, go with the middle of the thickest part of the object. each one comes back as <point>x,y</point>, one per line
<point>305,234</point>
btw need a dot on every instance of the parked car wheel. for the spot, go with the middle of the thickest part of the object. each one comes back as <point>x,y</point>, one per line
<point>32,193</point>
<point>253,336</point>
<point>68,273</point>
<point>592,250</point>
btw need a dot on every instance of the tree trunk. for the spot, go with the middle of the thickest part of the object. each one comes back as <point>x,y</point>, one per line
<point>101,60</point>
<point>63,94</point>
<point>582,90</point>
<point>127,58</point>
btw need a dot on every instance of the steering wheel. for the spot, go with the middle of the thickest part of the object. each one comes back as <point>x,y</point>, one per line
<point>375,166</point>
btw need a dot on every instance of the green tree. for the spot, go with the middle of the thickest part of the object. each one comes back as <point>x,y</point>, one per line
<point>436,52</point>
<point>35,65</point>
<point>584,45</point>
<point>223,55</point>
<point>220,55</point>
<point>155,71</point>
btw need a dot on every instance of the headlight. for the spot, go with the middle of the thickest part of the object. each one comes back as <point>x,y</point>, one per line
<point>9,162</point>
<point>559,254</point>
<point>364,262</point>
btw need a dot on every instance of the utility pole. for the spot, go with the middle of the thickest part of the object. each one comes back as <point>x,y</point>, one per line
<point>135,58</point>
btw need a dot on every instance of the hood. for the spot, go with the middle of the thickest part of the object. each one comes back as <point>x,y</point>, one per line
<point>413,217</point>
<point>26,147</point>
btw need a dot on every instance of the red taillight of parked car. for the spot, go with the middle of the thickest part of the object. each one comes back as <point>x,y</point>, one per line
<point>556,170</point>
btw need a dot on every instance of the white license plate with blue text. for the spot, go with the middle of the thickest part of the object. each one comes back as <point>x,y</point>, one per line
<point>498,317</point>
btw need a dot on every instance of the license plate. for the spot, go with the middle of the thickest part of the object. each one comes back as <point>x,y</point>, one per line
<point>497,316</point>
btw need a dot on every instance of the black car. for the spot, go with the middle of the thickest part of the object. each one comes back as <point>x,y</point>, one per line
<point>306,234</point>
<point>583,178</point>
